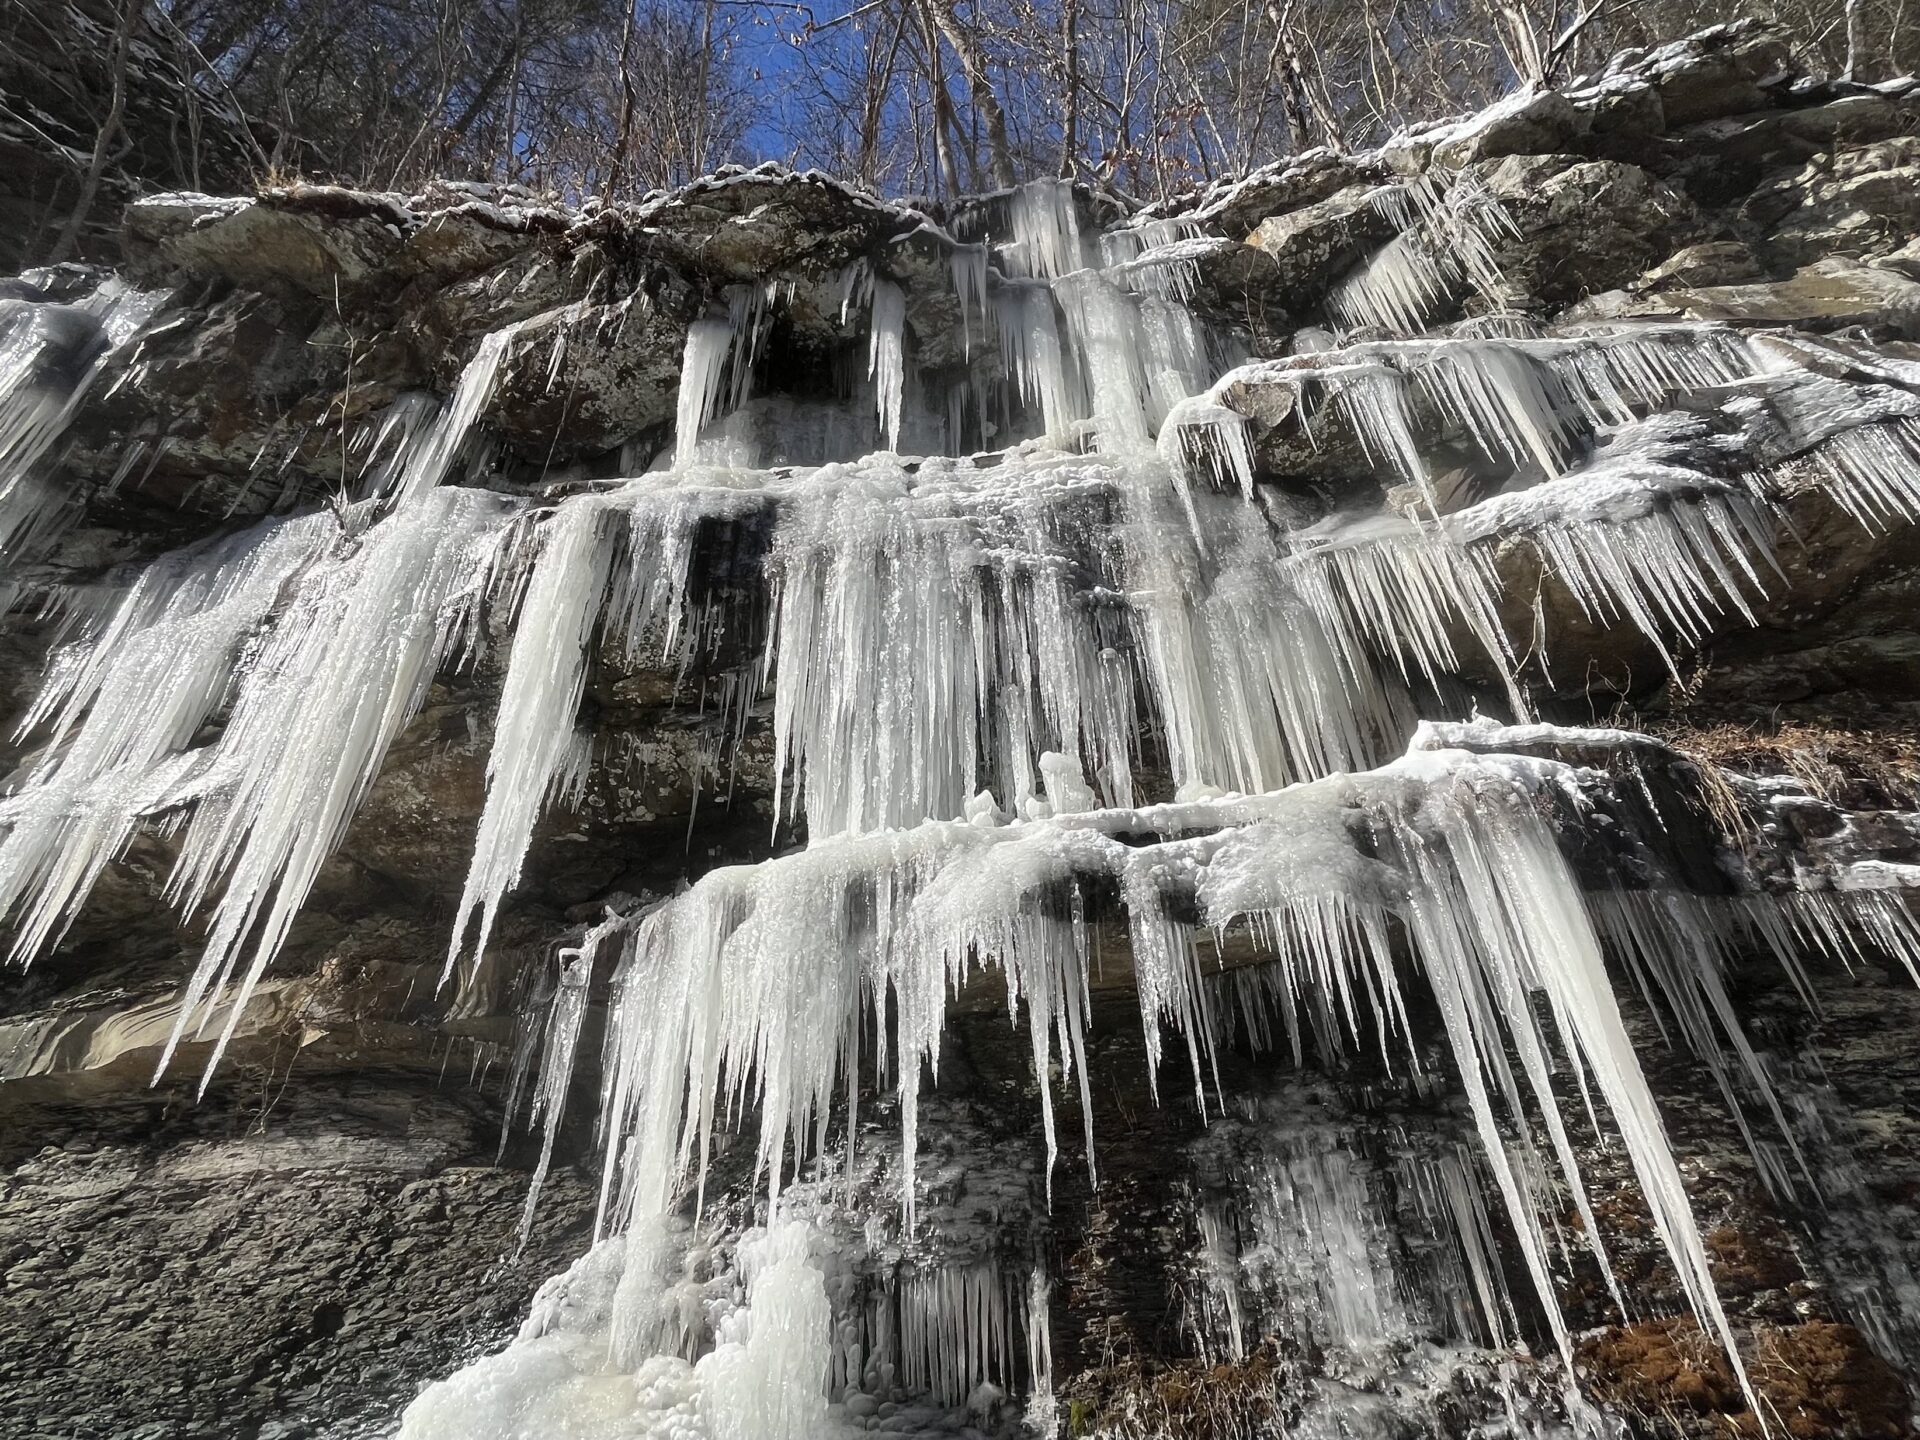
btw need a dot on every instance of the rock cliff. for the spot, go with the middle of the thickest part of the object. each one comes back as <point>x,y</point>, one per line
<point>1599,412</point>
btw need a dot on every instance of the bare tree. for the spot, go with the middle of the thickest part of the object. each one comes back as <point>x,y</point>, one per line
<point>110,142</point>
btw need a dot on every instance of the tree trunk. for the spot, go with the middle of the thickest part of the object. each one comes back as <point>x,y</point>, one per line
<point>973,65</point>
<point>942,106</point>
<point>110,129</point>
<point>1070,87</point>
<point>627,102</point>
<point>1304,109</point>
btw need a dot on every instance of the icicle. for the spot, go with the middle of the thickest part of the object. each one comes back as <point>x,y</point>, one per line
<point>1399,289</point>
<point>546,677</point>
<point>1315,1260</point>
<point>394,442</point>
<point>1173,356</point>
<point>703,378</point>
<point>1468,222</point>
<point>122,710</point>
<point>956,1331</point>
<point>1875,472</point>
<point>886,356</point>
<point>1203,440</point>
<point>1129,243</point>
<point>1398,587</point>
<point>1507,922</point>
<point>1634,534</point>
<point>1251,691</point>
<point>1679,952</point>
<point>1373,399</point>
<point>968,266</point>
<point>577,580</point>
<point>1450,229</point>
<point>1046,240</point>
<point>1505,401</point>
<point>334,682</point>
<point>429,461</point>
<point>1104,326</point>
<point>918,616</point>
<point>559,1045</point>
<point>1031,352</point>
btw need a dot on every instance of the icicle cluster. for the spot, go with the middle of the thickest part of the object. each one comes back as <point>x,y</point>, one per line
<point>979,666</point>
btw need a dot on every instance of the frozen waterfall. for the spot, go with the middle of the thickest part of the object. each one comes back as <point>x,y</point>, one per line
<point>1105,706</point>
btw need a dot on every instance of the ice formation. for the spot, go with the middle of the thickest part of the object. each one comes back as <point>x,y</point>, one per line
<point>52,356</point>
<point>978,673</point>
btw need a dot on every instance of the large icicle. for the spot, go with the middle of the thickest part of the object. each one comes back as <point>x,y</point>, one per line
<point>1505,920</point>
<point>123,709</point>
<point>334,682</point>
<point>703,379</point>
<point>431,453</point>
<point>533,737</point>
<point>620,557</point>
<point>886,355</point>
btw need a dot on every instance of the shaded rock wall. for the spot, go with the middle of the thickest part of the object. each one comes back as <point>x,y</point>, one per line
<point>285,1257</point>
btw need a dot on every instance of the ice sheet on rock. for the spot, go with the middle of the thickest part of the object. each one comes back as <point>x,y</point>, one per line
<point>764,1379</point>
<point>1356,1244</point>
<point>341,672</point>
<point>558,1044</point>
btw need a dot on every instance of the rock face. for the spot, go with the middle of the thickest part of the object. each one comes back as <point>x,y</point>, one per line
<point>1603,406</point>
<point>264,1262</point>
